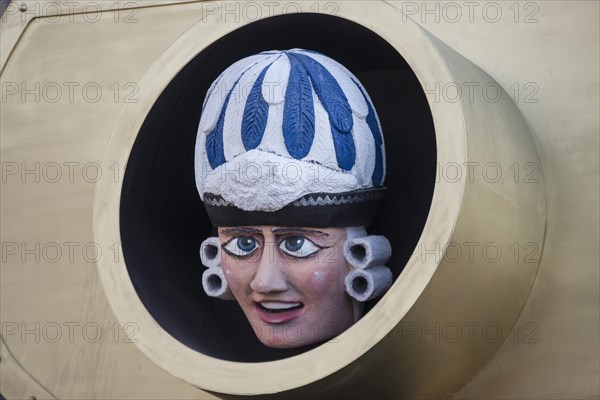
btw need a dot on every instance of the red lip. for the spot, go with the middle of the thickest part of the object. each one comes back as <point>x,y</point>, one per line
<point>280,317</point>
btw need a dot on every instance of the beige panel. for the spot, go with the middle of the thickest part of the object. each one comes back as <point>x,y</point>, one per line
<point>559,54</point>
<point>554,350</point>
<point>16,381</point>
<point>19,14</point>
<point>51,294</point>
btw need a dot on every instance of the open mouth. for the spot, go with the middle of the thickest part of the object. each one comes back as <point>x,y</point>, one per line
<point>276,307</point>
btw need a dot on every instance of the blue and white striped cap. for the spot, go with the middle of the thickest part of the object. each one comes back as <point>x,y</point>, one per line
<point>286,133</point>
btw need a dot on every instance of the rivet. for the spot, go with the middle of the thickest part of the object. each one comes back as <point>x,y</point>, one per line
<point>31,398</point>
<point>23,7</point>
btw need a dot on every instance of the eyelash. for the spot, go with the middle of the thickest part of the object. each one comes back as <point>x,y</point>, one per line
<point>240,256</point>
<point>279,241</point>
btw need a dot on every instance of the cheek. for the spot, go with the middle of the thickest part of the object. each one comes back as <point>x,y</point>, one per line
<point>323,278</point>
<point>237,280</point>
<point>319,281</point>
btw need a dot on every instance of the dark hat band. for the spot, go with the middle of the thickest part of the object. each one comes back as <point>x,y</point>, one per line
<point>319,210</point>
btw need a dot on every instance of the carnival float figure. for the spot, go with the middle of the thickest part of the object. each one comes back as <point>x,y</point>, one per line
<point>290,165</point>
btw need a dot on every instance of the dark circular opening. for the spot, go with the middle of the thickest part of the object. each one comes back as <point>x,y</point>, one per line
<point>163,221</point>
<point>214,282</point>
<point>360,285</point>
<point>359,253</point>
<point>211,252</point>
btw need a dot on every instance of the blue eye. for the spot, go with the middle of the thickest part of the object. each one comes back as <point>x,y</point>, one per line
<point>294,244</point>
<point>298,246</point>
<point>241,246</point>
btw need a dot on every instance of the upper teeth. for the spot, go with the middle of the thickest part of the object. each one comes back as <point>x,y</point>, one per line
<point>276,305</point>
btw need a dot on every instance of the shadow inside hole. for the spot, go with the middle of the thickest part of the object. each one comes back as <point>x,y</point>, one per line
<point>214,282</point>
<point>359,253</point>
<point>360,285</point>
<point>163,221</point>
<point>211,252</point>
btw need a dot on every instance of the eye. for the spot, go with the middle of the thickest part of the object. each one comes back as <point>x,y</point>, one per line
<point>298,246</point>
<point>241,246</point>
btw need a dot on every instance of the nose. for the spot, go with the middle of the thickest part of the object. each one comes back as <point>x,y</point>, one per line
<point>269,276</point>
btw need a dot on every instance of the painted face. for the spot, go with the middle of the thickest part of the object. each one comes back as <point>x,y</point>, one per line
<point>288,281</point>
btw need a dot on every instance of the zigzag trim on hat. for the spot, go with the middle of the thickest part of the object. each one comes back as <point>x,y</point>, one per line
<point>337,198</point>
<point>357,208</point>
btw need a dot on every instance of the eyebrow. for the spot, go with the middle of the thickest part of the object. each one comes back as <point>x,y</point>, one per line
<point>299,230</point>
<point>241,229</point>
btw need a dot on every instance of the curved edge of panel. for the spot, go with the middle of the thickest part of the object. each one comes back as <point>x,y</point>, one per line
<point>387,347</point>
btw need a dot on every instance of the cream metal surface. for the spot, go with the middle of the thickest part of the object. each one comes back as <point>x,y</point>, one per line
<point>558,54</point>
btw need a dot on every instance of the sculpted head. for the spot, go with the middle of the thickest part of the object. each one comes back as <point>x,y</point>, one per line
<point>290,163</point>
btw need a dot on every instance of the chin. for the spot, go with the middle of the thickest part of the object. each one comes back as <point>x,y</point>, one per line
<point>290,336</point>
<point>283,336</point>
<point>282,344</point>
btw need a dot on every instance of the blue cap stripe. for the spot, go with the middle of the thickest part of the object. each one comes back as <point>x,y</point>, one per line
<point>256,114</point>
<point>298,112</point>
<point>337,106</point>
<point>214,140</point>
<point>215,151</point>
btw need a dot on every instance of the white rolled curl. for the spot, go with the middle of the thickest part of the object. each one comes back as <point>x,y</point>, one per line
<point>215,284</point>
<point>213,279</point>
<point>367,284</point>
<point>369,277</point>
<point>368,251</point>
<point>210,252</point>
